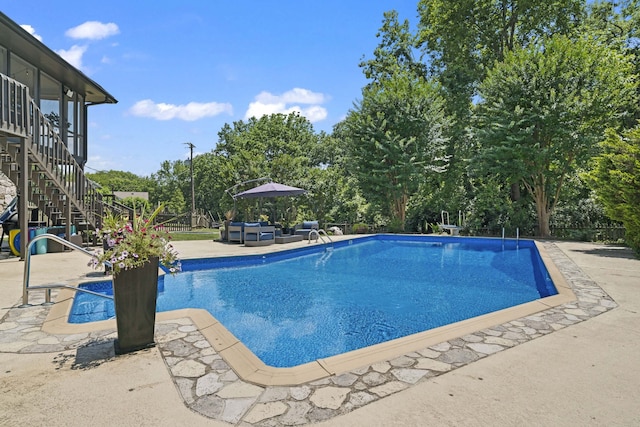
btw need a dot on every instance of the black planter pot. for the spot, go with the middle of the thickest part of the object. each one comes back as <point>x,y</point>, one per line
<point>134,296</point>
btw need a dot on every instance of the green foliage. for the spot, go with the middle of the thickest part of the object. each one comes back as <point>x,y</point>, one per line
<point>543,110</point>
<point>492,209</point>
<point>395,135</point>
<point>463,40</point>
<point>137,203</point>
<point>466,38</point>
<point>616,180</point>
<point>113,180</point>
<point>172,183</point>
<point>434,227</point>
<point>395,226</point>
<point>617,25</point>
<point>395,52</point>
<point>282,147</point>
<point>360,228</point>
<point>578,207</point>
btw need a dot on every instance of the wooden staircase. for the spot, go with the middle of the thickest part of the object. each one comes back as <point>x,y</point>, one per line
<point>37,161</point>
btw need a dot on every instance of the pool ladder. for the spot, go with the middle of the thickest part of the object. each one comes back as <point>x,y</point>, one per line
<point>319,233</point>
<point>47,288</point>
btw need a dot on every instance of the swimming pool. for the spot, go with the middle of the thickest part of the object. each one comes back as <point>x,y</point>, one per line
<point>293,307</point>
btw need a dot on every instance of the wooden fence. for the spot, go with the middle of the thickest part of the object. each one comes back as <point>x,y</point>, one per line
<point>187,222</point>
<point>611,233</point>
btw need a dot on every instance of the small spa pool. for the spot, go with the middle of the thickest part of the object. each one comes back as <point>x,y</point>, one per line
<point>296,306</point>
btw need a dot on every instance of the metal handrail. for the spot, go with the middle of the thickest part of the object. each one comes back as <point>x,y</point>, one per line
<point>27,270</point>
<point>319,234</point>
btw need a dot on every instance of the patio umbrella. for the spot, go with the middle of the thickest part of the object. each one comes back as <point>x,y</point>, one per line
<point>270,189</point>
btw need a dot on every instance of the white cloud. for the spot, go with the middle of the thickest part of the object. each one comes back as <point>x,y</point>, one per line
<point>267,103</point>
<point>315,113</point>
<point>99,163</point>
<point>93,30</point>
<point>29,29</point>
<point>74,55</point>
<point>295,95</point>
<point>189,112</point>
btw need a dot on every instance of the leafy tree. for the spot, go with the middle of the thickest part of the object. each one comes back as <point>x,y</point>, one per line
<point>282,147</point>
<point>616,180</point>
<point>395,134</point>
<point>463,39</point>
<point>543,110</point>
<point>172,182</point>
<point>578,206</point>
<point>617,25</point>
<point>396,51</point>
<point>347,204</point>
<point>209,183</point>
<point>113,180</point>
<point>396,139</point>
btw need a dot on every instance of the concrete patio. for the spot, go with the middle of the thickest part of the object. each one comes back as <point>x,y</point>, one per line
<point>583,374</point>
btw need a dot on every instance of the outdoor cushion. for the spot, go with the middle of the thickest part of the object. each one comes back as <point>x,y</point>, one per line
<point>263,236</point>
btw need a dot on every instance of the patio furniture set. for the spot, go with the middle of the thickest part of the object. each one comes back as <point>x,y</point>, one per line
<point>263,234</point>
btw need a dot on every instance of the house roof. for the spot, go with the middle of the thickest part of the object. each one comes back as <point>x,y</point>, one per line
<point>23,44</point>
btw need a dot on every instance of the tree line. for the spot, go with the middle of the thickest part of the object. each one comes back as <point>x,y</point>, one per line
<point>518,113</point>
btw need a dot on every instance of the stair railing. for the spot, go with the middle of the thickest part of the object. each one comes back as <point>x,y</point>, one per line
<point>14,101</point>
<point>21,117</point>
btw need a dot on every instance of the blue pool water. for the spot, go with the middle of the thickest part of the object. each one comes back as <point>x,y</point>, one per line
<point>294,307</point>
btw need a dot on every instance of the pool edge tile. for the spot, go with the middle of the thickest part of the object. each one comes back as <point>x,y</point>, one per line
<point>56,321</point>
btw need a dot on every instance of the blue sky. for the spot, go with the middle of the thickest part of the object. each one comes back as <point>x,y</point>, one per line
<point>181,70</point>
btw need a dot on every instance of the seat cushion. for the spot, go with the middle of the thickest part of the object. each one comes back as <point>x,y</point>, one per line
<point>254,236</point>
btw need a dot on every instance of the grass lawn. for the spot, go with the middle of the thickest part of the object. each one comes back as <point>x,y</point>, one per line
<point>202,234</point>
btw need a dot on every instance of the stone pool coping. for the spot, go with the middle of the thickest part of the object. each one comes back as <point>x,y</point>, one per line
<point>250,368</point>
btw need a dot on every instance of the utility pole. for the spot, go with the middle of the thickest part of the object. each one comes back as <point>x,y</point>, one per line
<point>193,194</point>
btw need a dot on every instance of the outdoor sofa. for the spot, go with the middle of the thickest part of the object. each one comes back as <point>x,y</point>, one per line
<point>259,234</point>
